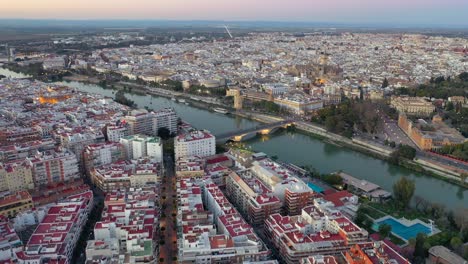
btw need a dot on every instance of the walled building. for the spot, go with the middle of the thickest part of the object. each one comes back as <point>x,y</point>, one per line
<point>430,135</point>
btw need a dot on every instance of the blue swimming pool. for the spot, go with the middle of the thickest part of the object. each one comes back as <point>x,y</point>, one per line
<point>315,188</point>
<point>405,232</point>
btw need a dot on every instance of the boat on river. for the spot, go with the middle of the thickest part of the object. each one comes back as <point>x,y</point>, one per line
<point>220,110</point>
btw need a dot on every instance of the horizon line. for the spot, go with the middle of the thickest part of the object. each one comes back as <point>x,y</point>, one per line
<point>354,23</point>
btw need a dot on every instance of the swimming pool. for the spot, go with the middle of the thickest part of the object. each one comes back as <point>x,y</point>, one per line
<point>315,188</point>
<point>404,231</point>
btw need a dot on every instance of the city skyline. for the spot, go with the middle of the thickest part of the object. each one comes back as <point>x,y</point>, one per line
<point>418,12</point>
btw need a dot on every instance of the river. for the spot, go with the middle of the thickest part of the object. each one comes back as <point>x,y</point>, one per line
<point>302,149</point>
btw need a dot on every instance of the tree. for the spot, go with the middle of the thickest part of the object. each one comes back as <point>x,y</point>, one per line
<point>385,83</point>
<point>360,216</point>
<point>384,230</point>
<point>419,254</point>
<point>407,152</point>
<point>455,242</point>
<point>449,106</point>
<point>164,133</point>
<point>333,179</point>
<point>463,177</point>
<point>461,219</point>
<point>403,191</point>
<point>122,99</point>
<point>463,76</point>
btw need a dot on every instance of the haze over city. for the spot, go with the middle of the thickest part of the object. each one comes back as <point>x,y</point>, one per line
<point>396,12</point>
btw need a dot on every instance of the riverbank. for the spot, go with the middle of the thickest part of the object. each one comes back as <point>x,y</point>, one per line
<point>382,152</point>
<point>301,148</point>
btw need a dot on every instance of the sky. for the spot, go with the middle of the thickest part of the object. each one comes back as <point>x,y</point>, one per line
<point>399,12</point>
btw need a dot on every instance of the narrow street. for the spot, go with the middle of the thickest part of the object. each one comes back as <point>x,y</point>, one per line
<point>168,239</point>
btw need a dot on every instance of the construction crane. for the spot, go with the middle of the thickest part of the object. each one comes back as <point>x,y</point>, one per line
<point>227,30</point>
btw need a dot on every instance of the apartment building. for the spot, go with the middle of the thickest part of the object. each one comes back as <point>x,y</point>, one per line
<point>96,155</point>
<point>378,252</point>
<point>16,175</point>
<point>190,167</point>
<point>251,197</point>
<point>126,173</point>
<point>319,259</point>
<point>128,230</point>
<point>195,143</point>
<point>148,123</point>
<point>211,230</point>
<point>137,146</point>
<point>54,166</point>
<point>139,122</point>
<point>13,135</point>
<point>316,231</point>
<point>13,203</point>
<point>167,118</point>
<point>55,238</point>
<point>10,243</point>
<point>293,193</point>
<point>116,132</point>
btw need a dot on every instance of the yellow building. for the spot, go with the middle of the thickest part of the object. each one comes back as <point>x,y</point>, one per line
<point>412,105</point>
<point>12,204</point>
<point>430,135</point>
<point>16,176</point>
<point>298,103</point>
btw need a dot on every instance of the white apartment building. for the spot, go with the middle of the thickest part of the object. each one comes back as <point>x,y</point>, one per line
<point>167,118</point>
<point>101,154</point>
<point>138,146</point>
<point>148,123</point>
<point>115,133</point>
<point>195,143</point>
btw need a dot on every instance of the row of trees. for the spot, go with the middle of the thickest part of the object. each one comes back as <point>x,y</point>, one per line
<point>440,87</point>
<point>267,106</point>
<point>458,151</point>
<point>349,115</point>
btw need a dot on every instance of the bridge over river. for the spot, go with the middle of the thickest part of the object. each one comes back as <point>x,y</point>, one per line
<point>247,133</point>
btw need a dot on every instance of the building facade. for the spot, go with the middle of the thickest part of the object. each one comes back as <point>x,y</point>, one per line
<point>195,143</point>
<point>417,106</point>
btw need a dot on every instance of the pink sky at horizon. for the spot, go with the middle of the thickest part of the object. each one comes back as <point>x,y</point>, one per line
<point>453,11</point>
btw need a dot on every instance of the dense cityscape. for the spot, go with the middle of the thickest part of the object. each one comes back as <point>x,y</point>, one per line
<point>233,145</point>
